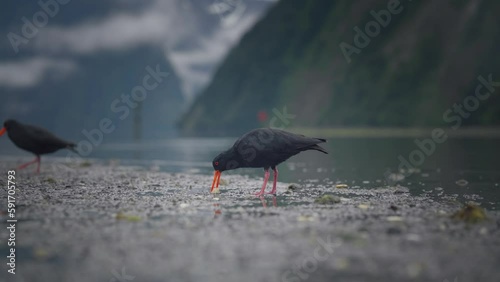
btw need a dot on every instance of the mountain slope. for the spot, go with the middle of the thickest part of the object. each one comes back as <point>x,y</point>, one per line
<point>79,100</point>
<point>427,58</point>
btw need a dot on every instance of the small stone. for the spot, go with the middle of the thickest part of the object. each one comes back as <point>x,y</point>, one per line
<point>483,231</point>
<point>364,206</point>
<point>393,231</point>
<point>401,190</point>
<point>395,177</point>
<point>414,269</point>
<point>394,219</point>
<point>85,164</point>
<point>294,187</point>
<point>303,218</point>
<point>442,212</point>
<point>413,238</point>
<point>341,264</point>
<point>40,253</point>
<point>126,217</point>
<point>341,186</point>
<point>50,180</point>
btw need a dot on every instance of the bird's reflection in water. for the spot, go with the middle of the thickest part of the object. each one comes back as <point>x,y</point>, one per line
<point>264,201</point>
<point>217,210</point>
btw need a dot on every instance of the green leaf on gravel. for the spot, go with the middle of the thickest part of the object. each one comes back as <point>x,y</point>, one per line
<point>126,217</point>
<point>470,213</point>
<point>327,200</point>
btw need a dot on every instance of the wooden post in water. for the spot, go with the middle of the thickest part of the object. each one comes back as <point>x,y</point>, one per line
<point>137,128</point>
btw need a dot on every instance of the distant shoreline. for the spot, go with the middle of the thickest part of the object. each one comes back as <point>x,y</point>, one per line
<point>384,132</point>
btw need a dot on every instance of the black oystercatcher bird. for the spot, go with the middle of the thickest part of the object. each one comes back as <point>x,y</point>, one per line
<point>34,139</point>
<point>266,148</point>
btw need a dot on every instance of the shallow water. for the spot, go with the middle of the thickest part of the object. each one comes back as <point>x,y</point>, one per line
<point>465,169</point>
<point>469,168</point>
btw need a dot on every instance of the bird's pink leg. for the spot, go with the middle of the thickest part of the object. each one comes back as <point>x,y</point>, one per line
<point>266,177</point>
<point>28,163</point>
<point>275,180</point>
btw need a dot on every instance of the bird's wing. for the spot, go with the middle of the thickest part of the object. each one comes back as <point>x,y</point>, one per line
<point>274,141</point>
<point>287,141</point>
<point>45,136</point>
<point>274,145</point>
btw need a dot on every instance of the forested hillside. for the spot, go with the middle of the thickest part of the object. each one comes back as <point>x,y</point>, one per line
<point>303,55</point>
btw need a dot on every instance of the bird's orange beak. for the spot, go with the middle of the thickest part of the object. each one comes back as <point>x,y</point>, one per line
<point>215,182</point>
<point>2,131</point>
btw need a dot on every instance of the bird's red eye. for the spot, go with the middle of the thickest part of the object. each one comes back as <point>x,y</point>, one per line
<point>216,163</point>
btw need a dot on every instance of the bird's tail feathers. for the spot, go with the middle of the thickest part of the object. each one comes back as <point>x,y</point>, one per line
<point>72,147</point>
<point>318,148</point>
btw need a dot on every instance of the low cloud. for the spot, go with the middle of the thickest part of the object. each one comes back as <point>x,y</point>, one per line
<point>30,72</point>
<point>197,65</point>
<point>118,32</point>
<point>195,41</point>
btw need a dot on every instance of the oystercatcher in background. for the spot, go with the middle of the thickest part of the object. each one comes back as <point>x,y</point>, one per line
<point>34,139</point>
<point>266,148</point>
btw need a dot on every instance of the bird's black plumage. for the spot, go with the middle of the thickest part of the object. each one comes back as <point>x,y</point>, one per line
<point>35,139</point>
<point>265,148</point>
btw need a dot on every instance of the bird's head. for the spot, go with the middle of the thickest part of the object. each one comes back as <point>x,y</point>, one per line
<point>224,161</point>
<point>6,125</point>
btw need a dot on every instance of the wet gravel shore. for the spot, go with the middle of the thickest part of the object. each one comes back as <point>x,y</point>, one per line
<point>96,222</point>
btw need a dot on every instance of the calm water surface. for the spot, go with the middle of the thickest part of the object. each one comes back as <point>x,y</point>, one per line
<point>466,167</point>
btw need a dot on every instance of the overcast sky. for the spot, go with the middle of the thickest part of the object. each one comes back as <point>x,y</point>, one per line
<point>195,34</point>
